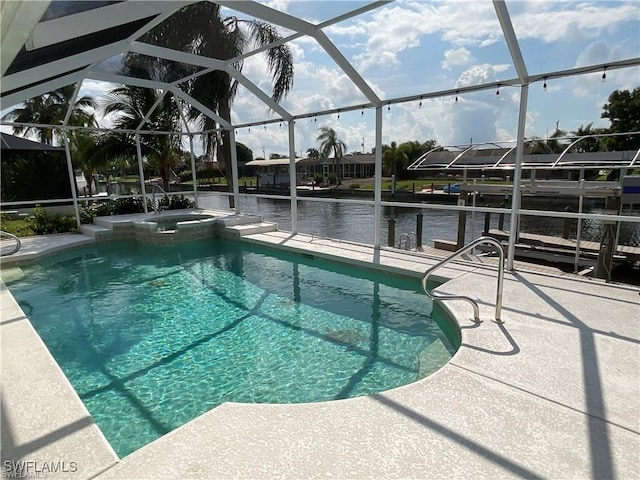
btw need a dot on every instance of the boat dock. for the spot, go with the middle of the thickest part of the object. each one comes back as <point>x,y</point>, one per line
<point>560,249</point>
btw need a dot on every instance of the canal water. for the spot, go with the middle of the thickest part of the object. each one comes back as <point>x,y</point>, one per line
<point>353,222</point>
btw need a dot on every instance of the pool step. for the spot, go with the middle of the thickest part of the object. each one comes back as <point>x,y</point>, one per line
<point>252,228</point>
<point>95,231</point>
<point>11,274</point>
<point>432,358</point>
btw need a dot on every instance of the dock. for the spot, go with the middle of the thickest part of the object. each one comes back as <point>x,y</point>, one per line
<point>563,250</point>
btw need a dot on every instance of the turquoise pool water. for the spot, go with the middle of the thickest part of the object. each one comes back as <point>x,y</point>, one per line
<point>153,336</point>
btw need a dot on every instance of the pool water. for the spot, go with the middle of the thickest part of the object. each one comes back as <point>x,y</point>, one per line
<point>153,336</point>
<point>171,222</point>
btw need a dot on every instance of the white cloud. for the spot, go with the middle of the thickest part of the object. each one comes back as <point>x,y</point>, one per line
<point>474,24</point>
<point>479,74</point>
<point>554,21</point>
<point>471,25</point>
<point>281,5</point>
<point>456,57</point>
<point>600,52</point>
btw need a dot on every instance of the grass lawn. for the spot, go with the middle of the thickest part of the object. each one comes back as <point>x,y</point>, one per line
<point>408,185</point>
<point>126,179</point>
<point>249,181</point>
<point>20,228</point>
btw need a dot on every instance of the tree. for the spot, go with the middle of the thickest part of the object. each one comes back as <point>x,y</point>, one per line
<point>589,144</point>
<point>313,153</point>
<point>623,111</point>
<point>131,105</point>
<point>330,144</point>
<point>394,156</point>
<point>51,109</point>
<point>243,153</point>
<point>553,142</point>
<point>414,149</point>
<point>202,30</point>
<point>86,156</point>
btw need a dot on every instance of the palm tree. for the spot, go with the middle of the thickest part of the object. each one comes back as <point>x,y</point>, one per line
<point>200,29</point>
<point>588,144</point>
<point>131,104</point>
<point>554,144</point>
<point>83,153</point>
<point>330,144</point>
<point>313,153</point>
<point>51,109</point>
<point>393,156</point>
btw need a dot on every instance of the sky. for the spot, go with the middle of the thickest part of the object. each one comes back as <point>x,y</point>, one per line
<point>416,47</point>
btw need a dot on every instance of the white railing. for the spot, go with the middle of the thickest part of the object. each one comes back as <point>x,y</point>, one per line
<point>15,248</point>
<point>474,304</point>
<point>156,204</point>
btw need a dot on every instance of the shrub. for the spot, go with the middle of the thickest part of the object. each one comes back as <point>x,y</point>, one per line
<point>44,223</point>
<point>177,202</point>
<point>104,209</point>
<point>332,179</point>
<point>122,206</point>
<point>87,213</point>
<point>318,178</point>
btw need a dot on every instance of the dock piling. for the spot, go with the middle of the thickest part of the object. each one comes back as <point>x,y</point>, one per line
<point>392,233</point>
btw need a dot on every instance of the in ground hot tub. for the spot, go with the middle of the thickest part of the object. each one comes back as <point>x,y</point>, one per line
<point>176,228</point>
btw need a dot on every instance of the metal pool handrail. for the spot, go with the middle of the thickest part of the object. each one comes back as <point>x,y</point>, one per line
<point>405,239</point>
<point>12,236</point>
<point>156,205</point>
<point>466,248</point>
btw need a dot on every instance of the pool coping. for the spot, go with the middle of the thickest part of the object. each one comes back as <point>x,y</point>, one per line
<point>553,393</point>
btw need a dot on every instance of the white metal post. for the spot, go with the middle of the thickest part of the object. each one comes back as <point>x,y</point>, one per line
<point>517,174</point>
<point>579,227</point>
<point>141,172</point>
<point>377,183</point>
<point>72,177</point>
<point>293,178</point>
<point>234,170</point>
<point>193,171</point>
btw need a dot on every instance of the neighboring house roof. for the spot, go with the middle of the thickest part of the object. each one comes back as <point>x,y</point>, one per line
<point>360,158</point>
<point>11,142</point>
<point>272,162</point>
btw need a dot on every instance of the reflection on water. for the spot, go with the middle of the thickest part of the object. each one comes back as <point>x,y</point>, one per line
<point>355,222</point>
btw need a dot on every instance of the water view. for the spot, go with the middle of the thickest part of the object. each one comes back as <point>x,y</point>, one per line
<point>353,222</point>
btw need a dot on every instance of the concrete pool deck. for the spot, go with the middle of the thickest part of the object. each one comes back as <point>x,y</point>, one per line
<point>553,392</point>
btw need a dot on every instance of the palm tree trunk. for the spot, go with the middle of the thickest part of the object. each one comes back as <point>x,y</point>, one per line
<point>89,178</point>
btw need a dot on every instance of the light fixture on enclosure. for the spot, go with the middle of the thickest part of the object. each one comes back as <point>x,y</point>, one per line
<point>362,112</point>
<point>420,104</point>
<point>338,114</point>
<point>456,99</point>
<point>604,75</point>
<point>544,85</point>
<point>498,90</point>
<point>388,107</point>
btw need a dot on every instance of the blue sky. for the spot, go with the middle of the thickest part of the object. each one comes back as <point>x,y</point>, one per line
<point>415,47</point>
<point>409,48</point>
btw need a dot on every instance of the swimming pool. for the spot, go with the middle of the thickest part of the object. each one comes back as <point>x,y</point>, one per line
<point>153,336</point>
